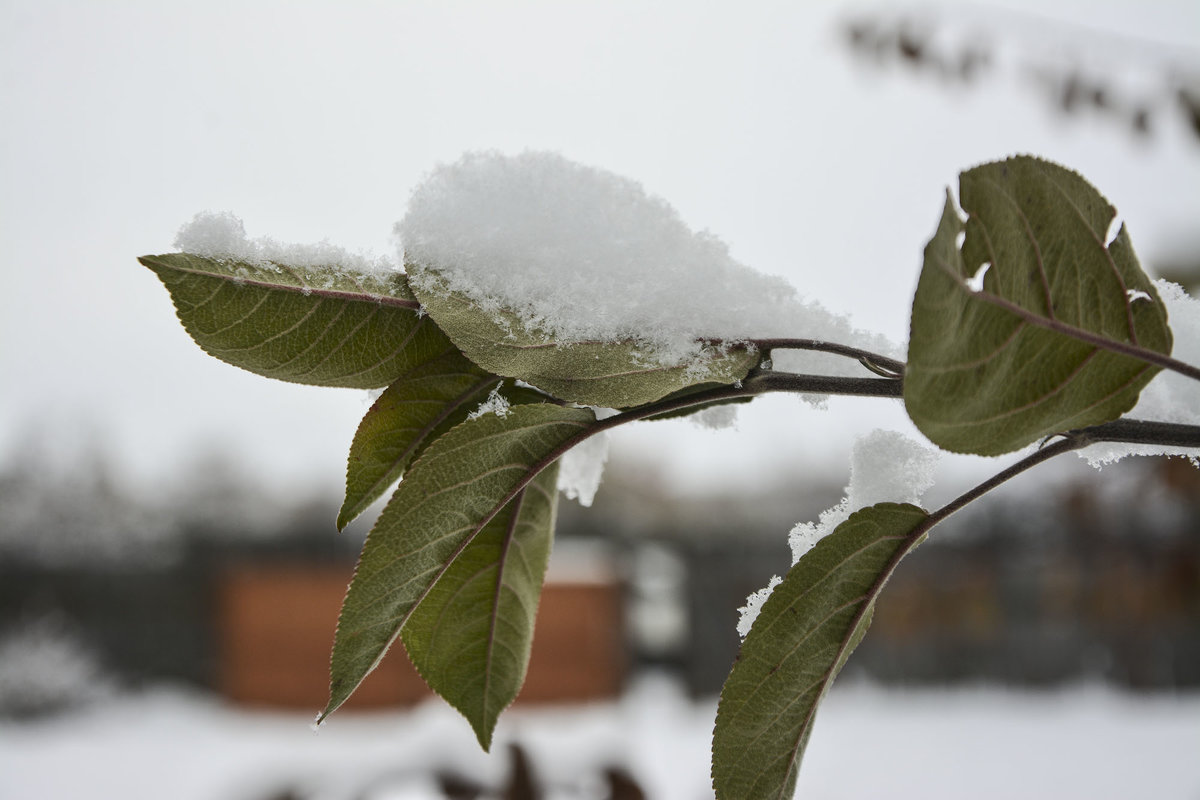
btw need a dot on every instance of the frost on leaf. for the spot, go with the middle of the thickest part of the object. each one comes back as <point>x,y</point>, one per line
<point>495,403</point>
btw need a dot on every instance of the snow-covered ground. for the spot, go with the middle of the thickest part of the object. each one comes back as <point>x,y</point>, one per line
<point>1087,742</point>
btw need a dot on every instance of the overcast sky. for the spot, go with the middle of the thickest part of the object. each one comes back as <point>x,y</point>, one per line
<point>315,120</point>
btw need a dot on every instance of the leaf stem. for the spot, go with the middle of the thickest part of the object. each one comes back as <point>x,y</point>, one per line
<point>889,364</point>
<point>756,383</point>
<point>1072,441</point>
<point>1128,431</point>
<point>763,382</point>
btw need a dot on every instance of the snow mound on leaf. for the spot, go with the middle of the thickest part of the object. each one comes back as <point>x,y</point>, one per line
<point>885,466</point>
<point>582,254</point>
<point>221,236</point>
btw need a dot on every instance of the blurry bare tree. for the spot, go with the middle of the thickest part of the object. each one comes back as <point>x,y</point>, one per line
<point>1079,72</point>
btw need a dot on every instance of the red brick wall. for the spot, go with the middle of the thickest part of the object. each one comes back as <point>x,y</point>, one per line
<point>275,628</point>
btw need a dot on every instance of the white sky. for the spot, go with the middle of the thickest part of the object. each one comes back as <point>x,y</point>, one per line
<point>315,120</point>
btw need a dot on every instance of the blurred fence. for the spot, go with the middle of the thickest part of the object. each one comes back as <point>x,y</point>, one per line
<point>1082,584</point>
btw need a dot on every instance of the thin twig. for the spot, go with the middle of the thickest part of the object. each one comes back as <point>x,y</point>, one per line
<point>1071,441</point>
<point>877,363</point>
<point>1126,431</point>
<point>1136,431</point>
<point>890,364</point>
<point>764,382</point>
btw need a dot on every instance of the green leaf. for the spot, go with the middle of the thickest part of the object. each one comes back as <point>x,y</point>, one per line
<point>449,495</point>
<point>317,326</point>
<point>471,636</point>
<point>416,409</point>
<point>610,374</point>
<point>1032,354</point>
<point>419,407</point>
<point>806,630</point>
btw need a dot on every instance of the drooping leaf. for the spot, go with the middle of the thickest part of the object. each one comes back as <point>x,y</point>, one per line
<point>317,326</point>
<point>462,480</point>
<point>418,407</point>
<point>610,374</point>
<point>806,630</point>
<point>1029,354</point>
<point>470,638</point>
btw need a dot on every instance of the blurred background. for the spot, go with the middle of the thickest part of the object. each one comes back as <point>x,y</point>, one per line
<point>169,570</point>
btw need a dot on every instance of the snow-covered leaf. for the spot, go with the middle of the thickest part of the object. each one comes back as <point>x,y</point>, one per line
<point>321,326</point>
<point>470,638</point>
<point>802,637</point>
<point>1028,352</point>
<point>597,373</point>
<point>448,496</point>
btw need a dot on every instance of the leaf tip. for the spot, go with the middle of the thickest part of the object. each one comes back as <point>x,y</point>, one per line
<point>323,714</point>
<point>483,734</point>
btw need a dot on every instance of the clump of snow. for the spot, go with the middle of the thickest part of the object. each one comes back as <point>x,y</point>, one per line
<point>754,604</point>
<point>495,403</point>
<point>369,396</point>
<point>1114,228</point>
<point>222,236</point>
<point>885,466</point>
<point>580,469</point>
<point>547,239</point>
<point>716,418</point>
<point>1169,397</point>
<point>975,282</point>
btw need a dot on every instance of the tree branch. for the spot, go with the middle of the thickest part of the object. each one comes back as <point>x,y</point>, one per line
<point>1136,431</point>
<point>1127,431</point>
<point>1072,441</point>
<point>765,381</point>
